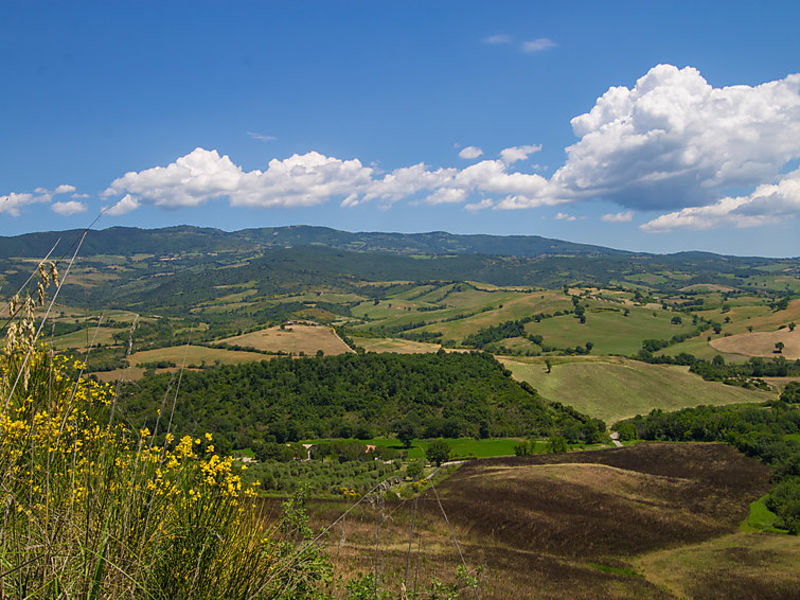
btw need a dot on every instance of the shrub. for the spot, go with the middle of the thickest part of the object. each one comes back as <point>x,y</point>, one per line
<point>93,509</point>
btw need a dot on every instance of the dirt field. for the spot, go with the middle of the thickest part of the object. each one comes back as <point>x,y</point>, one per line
<point>608,524</point>
<point>294,338</point>
<point>761,343</point>
<point>194,355</point>
<point>398,345</point>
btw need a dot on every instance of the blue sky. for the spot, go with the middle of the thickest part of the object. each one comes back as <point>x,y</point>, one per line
<point>612,123</point>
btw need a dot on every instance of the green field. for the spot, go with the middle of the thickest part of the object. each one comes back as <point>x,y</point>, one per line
<point>78,339</point>
<point>461,447</point>
<point>760,518</point>
<point>608,329</point>
<point>614,388</point>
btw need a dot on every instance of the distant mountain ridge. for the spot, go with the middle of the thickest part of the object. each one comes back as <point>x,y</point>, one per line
<point>131,240</point>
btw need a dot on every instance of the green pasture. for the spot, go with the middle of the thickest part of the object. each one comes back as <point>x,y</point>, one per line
<point>615,388</point>
<point>91,334</point>
<point>700,348</point>
<point>761,518</point>
<point>514,306</point>
<point>461,447</point>
<point>608,329</point>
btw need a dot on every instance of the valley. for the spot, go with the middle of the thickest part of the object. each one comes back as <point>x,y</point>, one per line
<point>333,370</point>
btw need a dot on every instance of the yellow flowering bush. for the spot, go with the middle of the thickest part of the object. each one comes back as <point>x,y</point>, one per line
<point>92,509</point>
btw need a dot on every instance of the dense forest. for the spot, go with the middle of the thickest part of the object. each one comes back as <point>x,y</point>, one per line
<point>284,399</point>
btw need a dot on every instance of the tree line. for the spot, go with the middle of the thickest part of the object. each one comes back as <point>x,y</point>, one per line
<point>284,399</point>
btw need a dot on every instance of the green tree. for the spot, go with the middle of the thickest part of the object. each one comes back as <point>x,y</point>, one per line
<point>791,393</point>
<point>438,452</point>
<point>414,469</point>
<point>557,444</point>
<point>406,430</point>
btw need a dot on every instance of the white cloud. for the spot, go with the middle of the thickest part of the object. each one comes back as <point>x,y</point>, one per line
<point>476,206</point>
<point>261,137</point>
<point>12,203</point>
<point>311,179</point>
<point>447,196</point>
<point>127,204</point>
<point>470,152</point>
<point>620,217</point>
<point>79,196</point>
<point>674,141</point>
<point>564,217</point>
<point>402,183</point>
<point>538,45</point>
<point>769,203</point>
<point>70,207</point>
<point>500,38</point>
<point>517,153</point>
<point>202,175</point>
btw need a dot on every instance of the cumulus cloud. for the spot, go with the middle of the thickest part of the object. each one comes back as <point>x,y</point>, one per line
<point>495,40</point>
<point>769,203</point>
<point>517,153</point>
<point>476,206</point>
<point>671,143</point>
<point>12,203</point>
<point>70,207</point>
<point>620,217</point>
<point>470,152</point>
<point>674,141</point>
<point>202,175</point>
<point>311,179</point>
<point>564,217</point>
<point>125,205</point>
<point>538,45</point>
<point>447,196</point>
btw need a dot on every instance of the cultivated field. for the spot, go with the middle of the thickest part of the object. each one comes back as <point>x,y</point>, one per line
<point>613,388</point>
<point>741,565</point>
<point>761,343</point>
<point>398,345</point>
<point>190,355</point>
<point>78,339</point>
<point>294,338</point>
<point>584,525</point>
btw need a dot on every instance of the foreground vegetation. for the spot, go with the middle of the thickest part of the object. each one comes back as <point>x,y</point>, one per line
<point>94,509</point>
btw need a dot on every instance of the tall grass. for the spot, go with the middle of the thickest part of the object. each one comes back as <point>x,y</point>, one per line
<point>91,509</point>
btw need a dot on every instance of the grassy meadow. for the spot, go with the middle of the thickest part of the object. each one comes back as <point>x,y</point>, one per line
<point>614,388</point>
